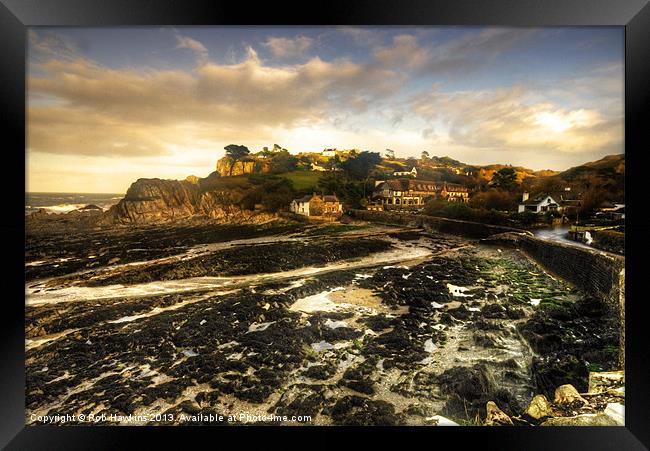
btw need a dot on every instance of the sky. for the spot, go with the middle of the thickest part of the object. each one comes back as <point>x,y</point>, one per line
<point>106,106</point>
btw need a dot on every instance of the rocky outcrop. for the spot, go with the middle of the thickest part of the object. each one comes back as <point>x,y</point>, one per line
<point>602,405</point>
<point>227,167</point>
<point>155,200</point>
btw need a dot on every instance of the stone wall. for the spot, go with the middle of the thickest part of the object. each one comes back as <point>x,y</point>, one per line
<point>596,273</point>
<point>599,275</point>
<point>454,226</point>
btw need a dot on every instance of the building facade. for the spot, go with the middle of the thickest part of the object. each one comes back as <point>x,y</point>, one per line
<point>413,194</point>
<point>317,206</point>
<point>538,204</point>
<point>412,173</point>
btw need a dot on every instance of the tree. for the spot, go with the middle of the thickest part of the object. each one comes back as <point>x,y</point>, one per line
<point>411,162</point>
<point>390,154</point>
<point>505,178</point>
<point>283,161</point>
<point>361,166</point>
<point>591,200</point>
<point>494,199</point>
<point>236,153</point>
<point>425,155</point>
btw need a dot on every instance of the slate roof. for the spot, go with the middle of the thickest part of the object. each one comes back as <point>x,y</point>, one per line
<point>330,198</point>
<point>326,198</point>
<point>302,199</point>
<point>536,200</point>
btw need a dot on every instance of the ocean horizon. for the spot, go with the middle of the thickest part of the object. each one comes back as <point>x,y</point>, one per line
<point>66,202</point>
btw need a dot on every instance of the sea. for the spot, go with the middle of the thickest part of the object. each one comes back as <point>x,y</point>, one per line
<point>66,202</point>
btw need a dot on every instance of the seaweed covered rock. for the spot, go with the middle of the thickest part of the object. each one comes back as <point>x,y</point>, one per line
<point>360,411</point>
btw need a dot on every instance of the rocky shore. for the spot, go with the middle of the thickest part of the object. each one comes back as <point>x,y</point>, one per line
<point>345,324</point>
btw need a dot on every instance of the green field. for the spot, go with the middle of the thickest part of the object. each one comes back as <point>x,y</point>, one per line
<point>303,180</point>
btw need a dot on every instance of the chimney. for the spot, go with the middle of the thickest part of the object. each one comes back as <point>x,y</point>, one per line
<point>524,196</point>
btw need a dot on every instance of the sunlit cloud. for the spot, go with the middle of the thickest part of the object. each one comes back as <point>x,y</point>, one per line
<point>185,42</point>
<point>288,47</point>
<point>394,91</point>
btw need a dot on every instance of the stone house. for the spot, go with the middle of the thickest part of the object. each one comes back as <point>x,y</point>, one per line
<point>317,206</point>
<point>413,194</point>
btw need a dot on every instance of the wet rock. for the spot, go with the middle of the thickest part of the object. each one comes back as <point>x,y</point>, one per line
<point>604,381</point>
<point>439,420</point>
<point>470,388</point>
<point>568,395</point>
<point>539,408</point>
<point>555,369</point>
<point>495,416</point>
<point>599,419</point>
<point>419,410</point>
<point>299,400</point>
<point>377,322</point>
<point>616,411</point>
<point>359,378</point>
<point>359,411</point>
<point>250,259</point>
<point>320,372</point>
<point>494,311</point>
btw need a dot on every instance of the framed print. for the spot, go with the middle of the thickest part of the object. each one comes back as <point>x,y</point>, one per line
<point>403,217</point>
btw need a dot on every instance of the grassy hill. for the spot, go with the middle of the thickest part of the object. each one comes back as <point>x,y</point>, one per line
<point>606,167</point>
<point>303,180</point>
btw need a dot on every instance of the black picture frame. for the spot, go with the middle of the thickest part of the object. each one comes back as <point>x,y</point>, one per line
<point>17,15</point>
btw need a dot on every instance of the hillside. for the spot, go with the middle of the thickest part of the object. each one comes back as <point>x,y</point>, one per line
<point>606,167</point>
<point>275,177</point>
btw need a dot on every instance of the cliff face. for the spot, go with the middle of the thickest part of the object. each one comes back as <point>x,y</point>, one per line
<point>155,200</point>
<point>248,166</point>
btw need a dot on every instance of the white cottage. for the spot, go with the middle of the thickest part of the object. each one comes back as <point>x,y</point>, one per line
<point>412,173</point>
<point>538,204</point>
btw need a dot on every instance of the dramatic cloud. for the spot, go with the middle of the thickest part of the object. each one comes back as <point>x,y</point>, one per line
<point>349,87</point>
<point>512,120</point>
<point>102,111</point>
<point>456,56</point>
<point>289,48</point>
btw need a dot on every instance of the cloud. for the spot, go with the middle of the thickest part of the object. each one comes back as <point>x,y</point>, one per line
<point>185,42</point>
<point>77,106</point>
<point>361,36</point>
<point>405,51</point>
<point>457,56</point>
<point>97,110</point>
<point>289,48</point>
<point>515,119</point>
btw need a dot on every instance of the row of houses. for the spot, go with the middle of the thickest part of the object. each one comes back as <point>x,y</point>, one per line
<point>547,203</point>
<point>399,194</point>
<point>396,194</point>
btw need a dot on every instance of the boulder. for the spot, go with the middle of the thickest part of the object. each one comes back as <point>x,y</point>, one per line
<point>91,207</point>
<point>599,419</point>
<point>602,381</point>
<point>567,394</point>
<point>495,416</point>
<point>616,411</point>
<point>539,408</point>
<point>439,420</point>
